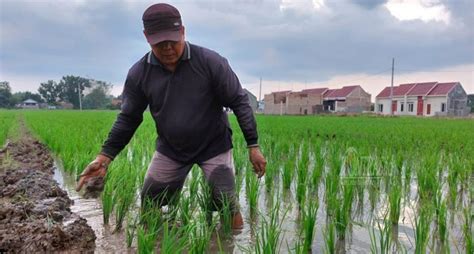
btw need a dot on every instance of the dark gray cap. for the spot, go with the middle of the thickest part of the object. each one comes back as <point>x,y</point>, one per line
<point>162,22</point>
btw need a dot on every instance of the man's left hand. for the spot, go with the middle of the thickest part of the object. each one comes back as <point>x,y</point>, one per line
<point>258,161</point>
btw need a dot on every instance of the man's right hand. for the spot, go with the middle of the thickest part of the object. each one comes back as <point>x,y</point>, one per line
<point>97,168</point>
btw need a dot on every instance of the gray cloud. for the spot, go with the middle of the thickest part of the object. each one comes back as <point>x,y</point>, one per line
<point>369,3</point>
<point>103,39</point>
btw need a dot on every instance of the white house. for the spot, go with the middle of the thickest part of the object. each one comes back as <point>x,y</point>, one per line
<point>424,99</point>
<point>29,104</point>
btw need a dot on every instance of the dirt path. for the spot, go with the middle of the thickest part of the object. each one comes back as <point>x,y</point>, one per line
<point>35,213</point>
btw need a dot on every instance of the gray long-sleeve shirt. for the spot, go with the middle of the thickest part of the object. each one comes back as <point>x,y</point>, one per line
<point>187,106</point>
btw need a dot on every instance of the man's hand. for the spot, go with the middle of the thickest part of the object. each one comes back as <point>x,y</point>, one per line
<point>258,161</point>
<point>97,168</point>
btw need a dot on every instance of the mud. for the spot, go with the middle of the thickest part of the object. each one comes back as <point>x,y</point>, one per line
<point>35,214</point>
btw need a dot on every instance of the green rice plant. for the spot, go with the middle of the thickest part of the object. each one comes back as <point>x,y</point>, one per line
<point>225,213</point>
<point>132,223</point>
<point>394,199</point>
<point>427,177</point>
<point>204,198</point>
<point>252,191</point>
<point>442,222</point>
<point>185,209</point>
<point>107,199</point>
<point>308,223</point>
<point>194,180</point>
<point>8,120</point>
<point>174,238</point>
<point>148,229</point>
<point>329,238</point>
<point>268,237</point>
<point>467,230</point>
<point>125,196</point>
<point>380,241</point>
<point>318,170</point>
<point>287,174</point>
<point>301,184</point>
<point>422,228</point>
<point>200,235</point>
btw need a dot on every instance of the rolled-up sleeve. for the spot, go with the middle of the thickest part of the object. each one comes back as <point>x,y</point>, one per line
<point>230,93</point>
<point>134,103</point>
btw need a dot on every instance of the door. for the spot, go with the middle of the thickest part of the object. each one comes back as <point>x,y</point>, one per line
<point>428,109</point>
<point>394,106</point>
<point>419,106</point>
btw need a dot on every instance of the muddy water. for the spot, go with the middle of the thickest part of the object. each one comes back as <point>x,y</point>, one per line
<point>90,209</point>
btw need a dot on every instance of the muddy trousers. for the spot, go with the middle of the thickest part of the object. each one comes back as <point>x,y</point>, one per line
<point>165,178</point>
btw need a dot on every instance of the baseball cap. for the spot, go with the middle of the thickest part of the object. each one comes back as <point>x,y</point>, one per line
<point>162,22</point>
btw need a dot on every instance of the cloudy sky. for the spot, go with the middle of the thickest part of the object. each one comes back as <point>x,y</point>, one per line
<point>291,44</point>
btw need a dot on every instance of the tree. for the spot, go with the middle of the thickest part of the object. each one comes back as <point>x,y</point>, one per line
<point>72,87</point>
<point>96,99</point>
<point>19,97</point>
<point>51,92</point>
<point>5,94</point>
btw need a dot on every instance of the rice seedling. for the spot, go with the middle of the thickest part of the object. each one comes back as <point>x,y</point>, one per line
<point>107,199</point>
<point>268,237</point>
<point>441,221</point>
<point>124,196</point>
<point>252,191</point>
<point>380,241</point>
<point>173,238</point>
<point>308,223</point>
<point>422,228</point>
<point>225,213</point>
<point>394,199</point>
<point>287,174</point>
<point>200,235</point>
<point>185,209</point>
<point>318,169</point>
<point>467,230</point>
<point>329,238</point>
<point>132,223</point>
<point>147,230</point>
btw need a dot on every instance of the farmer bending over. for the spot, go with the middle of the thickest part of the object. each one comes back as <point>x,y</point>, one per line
<point>186,87</point>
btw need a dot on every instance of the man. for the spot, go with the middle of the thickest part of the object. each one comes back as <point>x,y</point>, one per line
<point>186,88</point>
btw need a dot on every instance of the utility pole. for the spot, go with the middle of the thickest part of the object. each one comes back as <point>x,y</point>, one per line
<point>391,88</point>
<point>79,94</point>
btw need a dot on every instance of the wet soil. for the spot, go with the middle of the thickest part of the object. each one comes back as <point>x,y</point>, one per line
<point>35,214</point>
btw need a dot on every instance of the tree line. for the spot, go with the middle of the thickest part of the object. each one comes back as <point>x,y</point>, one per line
<point>94,94</point>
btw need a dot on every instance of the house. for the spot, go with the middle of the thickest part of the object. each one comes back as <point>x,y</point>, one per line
<point>29,104</point>
<point>275,103</point>
<point>352,99</point>
<point>308,101</point>
<point>318,100</point>
<point>423,99</point>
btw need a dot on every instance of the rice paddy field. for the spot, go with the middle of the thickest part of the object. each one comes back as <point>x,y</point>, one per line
<point>333,185</point>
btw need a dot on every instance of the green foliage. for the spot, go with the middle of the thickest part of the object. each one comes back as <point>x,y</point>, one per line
<point>5,95</point>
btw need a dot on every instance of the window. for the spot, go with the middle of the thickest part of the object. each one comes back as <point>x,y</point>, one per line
<point>401,106</point>
<point>410,107</point>
<point>380,107</point>
<point>443,107</point>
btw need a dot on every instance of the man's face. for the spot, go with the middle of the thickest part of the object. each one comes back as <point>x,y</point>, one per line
<point>169,52</point>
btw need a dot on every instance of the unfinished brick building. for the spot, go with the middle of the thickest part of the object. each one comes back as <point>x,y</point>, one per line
<point>317,100</point>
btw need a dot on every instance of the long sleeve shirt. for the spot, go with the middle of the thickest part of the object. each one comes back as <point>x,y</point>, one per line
<point>186,105</point>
